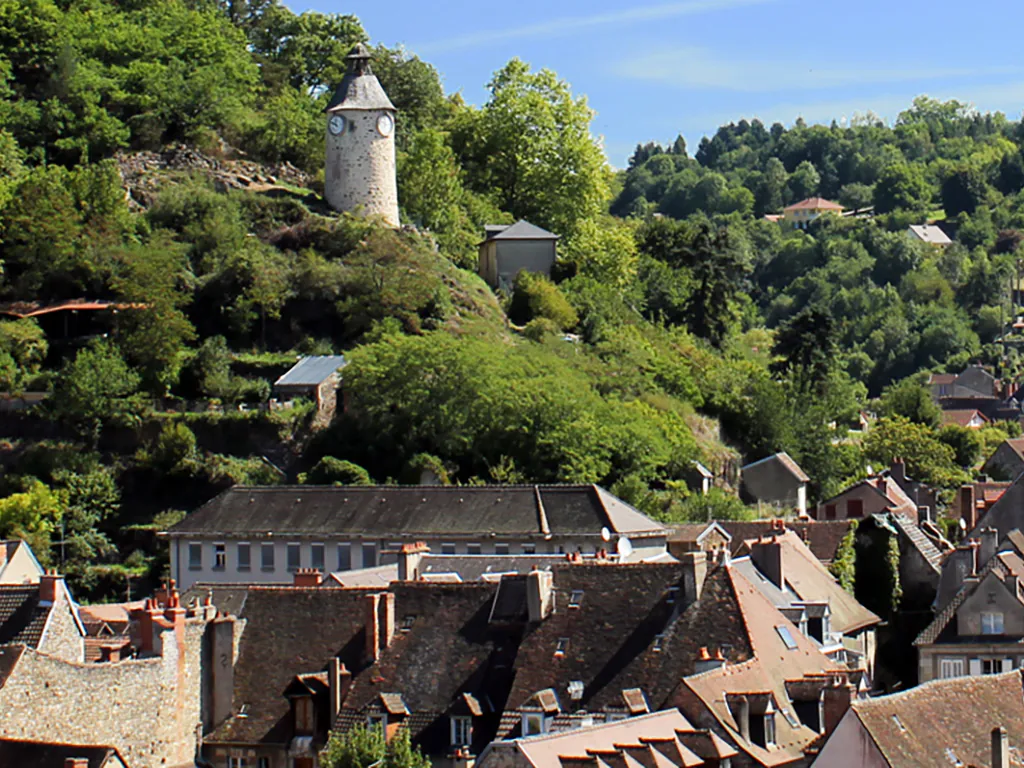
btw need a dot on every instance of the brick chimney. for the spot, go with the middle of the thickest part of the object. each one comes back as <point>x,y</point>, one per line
<point>174,611</point>
<point>539,588</point>
<point>1000,748</point>
<point>409,557</point>
<point>767,556</point>
<point>989,545</point>
<point>307,577</point>
<point>49,587</point>
<point>338,679</point>
<point>695,569</point>
<point>898,471</point>
<point>968,506</point>
<point>836,700</point>
<point>221,637</point>
<point>379,623</point>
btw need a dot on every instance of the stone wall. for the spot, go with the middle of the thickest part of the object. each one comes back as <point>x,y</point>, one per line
<point>149,709</point>
<point>360,173</point>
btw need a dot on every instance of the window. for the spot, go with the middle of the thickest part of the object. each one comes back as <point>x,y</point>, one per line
<point>991,623</point>
<point>854,508</point>
<point>462,731</point>
<point>447,549</point>
<point>244,556</point>
<point>673,595</point>
<point>294,556</point>
<point>562,646</point>
<point>304,714</point>
<point>501,549</point>
<point>344,557</point>
<point>238,762</point>
<point>264,762</point>
<point>529,549</point>
<point>267,557</point>
<point>991,666</point>
<point>769,729</point>
<point>220,556</point>
<point>534,723</point>
<point>830,511</point>
<point>407,622</point>
<point>951,668</point>
<point>195,557</point>
<point>369,555</point>
<point>316,556</point>
<point>787,637</point>
<point>659,640</point>
<point>472,549</point>
<point>576,598</point>
<point>376,720</point>
<point>899,723</point>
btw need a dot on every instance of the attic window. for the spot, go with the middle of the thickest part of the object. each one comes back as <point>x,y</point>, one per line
<point>563,645</point>
<point>576,598</point>
<point>673,595</point>
<point>953,759</point>
<point>786,636</point>
<point>576,690</point>
<point>407,622</point>
<point>899,723</point>
<point>659,640</point>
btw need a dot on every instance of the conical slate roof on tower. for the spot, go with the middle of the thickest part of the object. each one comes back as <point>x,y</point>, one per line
<point>360,88</point>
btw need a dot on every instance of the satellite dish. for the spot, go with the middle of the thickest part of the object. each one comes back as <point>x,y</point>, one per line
<point>624,547</point>
<point>606,535</point>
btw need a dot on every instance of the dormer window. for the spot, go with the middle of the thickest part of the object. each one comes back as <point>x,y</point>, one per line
<point>303,714</point>
<point>534,723</point>
<point>576,598</point>
<point>376,720</point>
<point>659,641</point>
<point>769,729</point>
<point>562,646</point>
<point>991,623</point>
<point>462,731</point>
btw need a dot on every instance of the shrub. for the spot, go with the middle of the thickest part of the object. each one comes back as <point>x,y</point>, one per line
<point>536,296</point>
<point>332,471</point>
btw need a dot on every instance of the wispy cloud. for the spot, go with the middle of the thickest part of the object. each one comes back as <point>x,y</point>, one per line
<point>700,68</point>
<point>569,25</point>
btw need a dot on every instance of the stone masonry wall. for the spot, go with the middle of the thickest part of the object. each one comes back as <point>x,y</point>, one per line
<point>360,172</point>
<point>62,637</point>
<point>149,708</point>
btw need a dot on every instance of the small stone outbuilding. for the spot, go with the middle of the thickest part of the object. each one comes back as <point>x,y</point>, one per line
<point>508,250</point>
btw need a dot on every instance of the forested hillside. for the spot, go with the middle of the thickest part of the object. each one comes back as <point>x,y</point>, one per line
<point>698,330</point>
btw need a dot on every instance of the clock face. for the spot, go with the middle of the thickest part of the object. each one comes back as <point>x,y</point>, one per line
<point>336,124</point>
<point>385,124</point>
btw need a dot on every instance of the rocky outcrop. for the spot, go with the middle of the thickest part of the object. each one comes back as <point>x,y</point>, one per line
<point>144,173</point>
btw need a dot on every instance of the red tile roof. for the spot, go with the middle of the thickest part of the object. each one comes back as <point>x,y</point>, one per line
<point>814,204</point>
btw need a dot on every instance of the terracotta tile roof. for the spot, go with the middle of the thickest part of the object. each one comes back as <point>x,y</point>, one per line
<point>417,510</point>
<point>657,740</point>
<point>762,663</point>
<point>814,204</point>
<point>822,536</point>
<point>923,725</point>
<point>22,618</point>
<point>37,754</point>
<point>34,308</point>
<point>810,581</point>
<point>963,417</point>
<point>942,378</point>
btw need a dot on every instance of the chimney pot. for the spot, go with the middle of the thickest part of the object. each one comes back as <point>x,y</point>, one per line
<point>307,577</point>
<point>76,762</point>
<point>49,586</point>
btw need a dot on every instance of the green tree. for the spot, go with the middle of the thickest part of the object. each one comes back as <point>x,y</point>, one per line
<point>531,147</point>
<point>927,458</point>
<point>363,747</point>
<point>902,186</point>
<point>535,296</point>
<point>910,399</point>
<point>332,471</point>
<point>963,191</point>
<point>33,515</point>
<point>94,390</point>
<point>804,181</point>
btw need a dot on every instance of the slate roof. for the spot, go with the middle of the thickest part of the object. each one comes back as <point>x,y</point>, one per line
<point>22,618</point>
<point>431,662</point>
<point>772,478</point>
<point>929,233</point>
<point>954,715</point>
<point>924,545</point>
<point>521,230</point>
<point>611,636</point>
<point>1006,515</point>
<point>814,203</point>
<point>36,754</point>
<point>417,511</point>
<point>10,655</point>
<point>360,88</point>
<point>809,581</point>
<point>288,632</point>
<point>311,371</point>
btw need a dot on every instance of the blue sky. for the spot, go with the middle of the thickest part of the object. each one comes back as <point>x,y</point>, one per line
<point>652,70</point>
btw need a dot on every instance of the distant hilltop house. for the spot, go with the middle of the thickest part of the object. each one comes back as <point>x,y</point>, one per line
<point>928,233</point>
<point>1007,462</point>
<point>969,418</point>
<point>506,250</point>
<point>776,480</point>
<point>800,215</point>
<point>316,377</point>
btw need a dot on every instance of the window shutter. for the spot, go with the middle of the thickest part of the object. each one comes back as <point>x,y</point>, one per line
<point>975,667</point>
<point>1007,665</point>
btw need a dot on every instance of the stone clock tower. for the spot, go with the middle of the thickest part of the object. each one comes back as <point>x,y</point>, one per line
<point>360,173</point>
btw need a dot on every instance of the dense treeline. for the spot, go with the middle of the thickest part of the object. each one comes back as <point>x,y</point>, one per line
<point>679,325</point>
